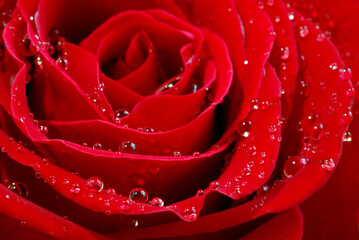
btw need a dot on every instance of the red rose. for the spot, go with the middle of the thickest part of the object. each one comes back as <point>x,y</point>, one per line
<point>166,119</point>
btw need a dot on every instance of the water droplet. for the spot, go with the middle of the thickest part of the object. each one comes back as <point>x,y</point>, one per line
<point>328,164</point>
<point>120,114</point>
<point>128,147</point>
<point>199,192</point>
<point>176,154</point>
<point>157,202</point>
<point>53,180</point>
<point>138,195</point>
<point>346,117</point>
<point>321,37</point>
<point>62,63</point>
<point>75,188</point>
<point>252,151</point>
<point>19,188</point>
<point>111,191</point>
<point>43,129</point>
<point>196,154</point>
<point>285,53</point>
<point>345,74</point>
<point>276,19</point>
<point>214,184</point>
<point>317,131</point>
<point>291,16</point>
<point>97,146</point>
<point>94,184</point>
<point>350,92</point>
<point>293,164</point>
<point>190,213</point>
<point>347,137</point>
<point>244,127</point>
<point>255,105</point>
<point>303,31</point>
<point>261,175</point>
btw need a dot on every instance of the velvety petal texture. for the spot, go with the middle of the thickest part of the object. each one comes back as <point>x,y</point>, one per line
<point>167,119</point>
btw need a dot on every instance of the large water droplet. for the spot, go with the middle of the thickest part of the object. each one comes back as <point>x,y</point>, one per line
<point>293,164</point>
<point>19,188</point>
<point>157,202</point>
<point>94,184</point>
<point>138,195</point>
<point>328,164</point>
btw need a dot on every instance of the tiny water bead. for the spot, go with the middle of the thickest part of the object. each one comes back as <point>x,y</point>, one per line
<point>293,164</point>
<point>347,137</point>
<point>138,195</point>
<point>328,164</point>
<point>157,202</point>
<point>346,118</point>
<point>111,191</point>
<point>43,129</point>
<point>120,113</point>
<point>303,31</point>
<point>128,147</point>
<point>176,154</point>
<point>345,74</point>
<point>244,128</point>
<point>252,151</point>
<point>97,146</point>
<point>75,188</point>
<point>190,213</point>
<point>19,188</point>
<point>285,53</point>
<point>214,184</point>
<point>95,184</point>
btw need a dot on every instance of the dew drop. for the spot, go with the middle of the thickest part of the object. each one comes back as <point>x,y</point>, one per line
<point>128,147</point>
<point>120,113</point>
<point>75,188</point>
<point>157,202</point>
<point>328,164</point>
<point>176,154</point>
<point>345,74</point>
<point>350,92</point>
<point>291,16</point>
<point>293,164</point>
<point>111,191</point>
<point>138,195</point>
<point>252,151</point>
<point>346,118</point>
<point>19,188</point>
<point>270,3</point>
<point>190,213</point>
<point>285,53</point>
<point>214,184</point>
<point>53,180</point>
<point>244,127</point>
<point>199,192</point>
<point>320,37</point>
<point>303,31</point>
<point>43,129</point>
<point>255,104</point>
<point>95,184</point>
<point>317,131</point>
<point>347,137</point>
<point>196,154</point>
<point>97,146</point>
